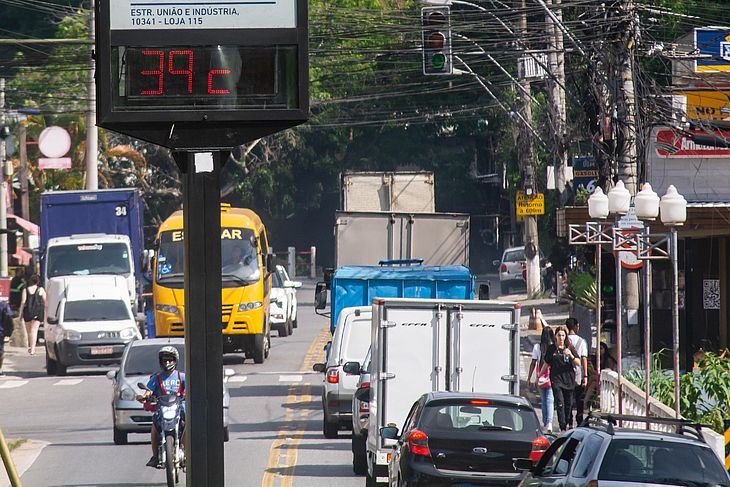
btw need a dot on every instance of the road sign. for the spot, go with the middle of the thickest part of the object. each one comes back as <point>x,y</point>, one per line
<point>201,74</point>
<point>585,173</point>
<point>630,224</point>
<point>529,205</point>
<point>715,43</point>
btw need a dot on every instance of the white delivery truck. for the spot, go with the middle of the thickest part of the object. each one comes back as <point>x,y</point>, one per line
<point>423,345</point>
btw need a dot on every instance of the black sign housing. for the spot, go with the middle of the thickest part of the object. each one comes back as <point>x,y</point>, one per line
<point>190,89</point>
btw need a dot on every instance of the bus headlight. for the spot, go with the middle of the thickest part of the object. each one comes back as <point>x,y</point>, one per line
<point>249,306</point>
<point>167,308</point>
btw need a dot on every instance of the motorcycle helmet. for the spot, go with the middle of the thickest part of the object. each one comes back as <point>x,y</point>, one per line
<point>168,351</point>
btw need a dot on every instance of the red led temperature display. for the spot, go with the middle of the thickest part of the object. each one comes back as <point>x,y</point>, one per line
<point>212,71</point>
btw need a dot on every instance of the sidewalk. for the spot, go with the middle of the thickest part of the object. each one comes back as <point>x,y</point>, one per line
<point>23,458</point>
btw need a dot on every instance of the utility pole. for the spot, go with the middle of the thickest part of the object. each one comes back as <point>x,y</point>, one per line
<point>23,176</point>
<point>3,190</point>
<point>527,166</point>
<point>627,161</point>
<point>556,93</point>
<point>92,134</point>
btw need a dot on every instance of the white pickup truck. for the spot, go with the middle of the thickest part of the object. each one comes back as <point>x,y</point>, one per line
<point>424,345</point>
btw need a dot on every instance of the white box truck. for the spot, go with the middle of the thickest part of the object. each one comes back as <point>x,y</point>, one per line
<point>423,345</point>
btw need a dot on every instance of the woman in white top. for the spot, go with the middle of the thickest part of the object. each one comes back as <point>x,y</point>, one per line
<point>547,400</point>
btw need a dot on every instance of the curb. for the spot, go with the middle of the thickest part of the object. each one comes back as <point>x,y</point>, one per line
<point>23,458</point>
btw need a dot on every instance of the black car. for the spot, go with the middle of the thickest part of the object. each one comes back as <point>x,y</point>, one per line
<point>464,439</point>
<point>600,453</point>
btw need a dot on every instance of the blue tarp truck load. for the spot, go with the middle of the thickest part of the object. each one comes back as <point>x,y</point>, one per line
<point>358,285</point>
<point>81,214</point>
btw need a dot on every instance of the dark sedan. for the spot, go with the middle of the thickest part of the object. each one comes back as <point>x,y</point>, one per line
<point>464,439</point>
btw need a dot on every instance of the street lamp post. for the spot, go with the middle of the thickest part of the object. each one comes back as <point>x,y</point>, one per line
<point>619,203</point>
<point>647,209</point>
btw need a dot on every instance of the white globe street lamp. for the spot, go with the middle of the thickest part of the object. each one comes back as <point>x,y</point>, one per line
<point>598,204</point>
<point>673,208</point>
<point>619,199</point>
<point>646,202</point>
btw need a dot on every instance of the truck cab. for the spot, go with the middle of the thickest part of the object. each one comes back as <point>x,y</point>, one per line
<point>92,254</point>
<point>89,321</point>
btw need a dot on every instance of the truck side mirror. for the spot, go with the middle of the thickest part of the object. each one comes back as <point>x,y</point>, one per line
<point>484,291</point>
<point>320,296</point>
<point>52,321</point>
<point>319,367</point>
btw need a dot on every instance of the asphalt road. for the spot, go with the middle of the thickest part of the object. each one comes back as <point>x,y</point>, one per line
<point>275,420</point>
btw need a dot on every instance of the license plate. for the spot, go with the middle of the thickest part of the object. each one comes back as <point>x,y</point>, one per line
<point>102,350</point>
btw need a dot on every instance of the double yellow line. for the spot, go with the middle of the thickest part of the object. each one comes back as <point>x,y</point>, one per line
<point>283,453</point>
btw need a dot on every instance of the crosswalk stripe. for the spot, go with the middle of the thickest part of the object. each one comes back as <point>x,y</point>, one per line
<point>290,378</point>
<point>237,378</point>
<point>10,384</point>
<point>68,382</point>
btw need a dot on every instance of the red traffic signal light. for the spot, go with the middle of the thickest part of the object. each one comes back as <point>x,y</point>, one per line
<point>435,40</point>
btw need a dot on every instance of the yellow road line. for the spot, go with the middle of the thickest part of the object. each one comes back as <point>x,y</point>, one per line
<point>283,453</point>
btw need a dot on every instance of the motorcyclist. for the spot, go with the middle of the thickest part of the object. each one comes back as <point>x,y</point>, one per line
<point>169,380</point>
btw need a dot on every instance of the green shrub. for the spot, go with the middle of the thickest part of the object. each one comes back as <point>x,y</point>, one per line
<point>582,288</point>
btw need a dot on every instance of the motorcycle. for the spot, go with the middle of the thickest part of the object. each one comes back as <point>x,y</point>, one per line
<point>167,420</point>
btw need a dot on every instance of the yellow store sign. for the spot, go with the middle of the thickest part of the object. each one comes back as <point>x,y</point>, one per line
<point>709,104</point>
<point>529,205</point>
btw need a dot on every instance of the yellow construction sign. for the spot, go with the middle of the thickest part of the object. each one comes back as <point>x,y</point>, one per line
<point>529,205</point>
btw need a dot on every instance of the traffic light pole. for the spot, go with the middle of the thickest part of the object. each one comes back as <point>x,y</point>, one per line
<point>203,335</point>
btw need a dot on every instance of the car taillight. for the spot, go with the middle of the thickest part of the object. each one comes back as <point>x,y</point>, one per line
<point>539,445</point>
<point>503,268</point>
<point>479,402</point>
<point>333,376</point>
<point>418,443</point>
<point>363,406</point>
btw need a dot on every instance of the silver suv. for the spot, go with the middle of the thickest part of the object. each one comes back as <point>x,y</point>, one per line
<point>598,453</point>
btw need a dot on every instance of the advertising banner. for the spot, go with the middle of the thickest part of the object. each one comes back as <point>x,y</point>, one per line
<point>708,104</point>
<point>671,144</point>
<point>715,43</point>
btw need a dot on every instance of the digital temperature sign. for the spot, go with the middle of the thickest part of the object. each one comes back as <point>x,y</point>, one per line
<point>196,74</point>
<point>216,77</point>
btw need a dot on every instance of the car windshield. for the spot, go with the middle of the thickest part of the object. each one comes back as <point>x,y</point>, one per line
<point>276,280</point>
<point>514,256</point>
<point>96,310</point>
<point>479,415</point>
<point>86,259</point>
<point>239,258</point>
<point>143,360</point>
<point>662,462</point>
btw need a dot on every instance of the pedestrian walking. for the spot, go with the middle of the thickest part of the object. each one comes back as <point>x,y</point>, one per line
<point>6,329</point>
<point>17,284</point>
<point>542,382</point>
<point>32,309</point>
<point>561,359</point>
<point>581,371</point>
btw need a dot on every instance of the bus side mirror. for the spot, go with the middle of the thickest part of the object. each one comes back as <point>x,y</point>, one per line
<point>320,296</point>
<point>270,263</point>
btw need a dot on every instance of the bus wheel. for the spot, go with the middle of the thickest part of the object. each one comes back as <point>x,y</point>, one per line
<point>260,345</point>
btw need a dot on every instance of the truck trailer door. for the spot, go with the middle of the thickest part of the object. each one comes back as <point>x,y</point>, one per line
<point>483,351</point>
<point>413,358</point>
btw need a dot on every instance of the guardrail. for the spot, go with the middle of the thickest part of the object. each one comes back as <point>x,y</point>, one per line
<point>634,403</point>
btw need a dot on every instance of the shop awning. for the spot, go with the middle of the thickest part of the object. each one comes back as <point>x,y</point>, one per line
<point>26,225</point>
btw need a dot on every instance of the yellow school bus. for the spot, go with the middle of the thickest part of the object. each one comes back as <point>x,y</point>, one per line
<point>246,281</point>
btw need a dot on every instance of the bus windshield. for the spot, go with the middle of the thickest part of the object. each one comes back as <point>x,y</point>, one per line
<point>239,258</point>
<point>86,259</point>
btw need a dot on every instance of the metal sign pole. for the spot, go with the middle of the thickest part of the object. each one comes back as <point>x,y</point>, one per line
<point>203,336</point>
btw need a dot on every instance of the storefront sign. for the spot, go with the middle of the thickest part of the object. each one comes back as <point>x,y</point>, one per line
<point>671,144</point>
<point>585,173</point>
<point>707,104</point>
<point>716,44</point>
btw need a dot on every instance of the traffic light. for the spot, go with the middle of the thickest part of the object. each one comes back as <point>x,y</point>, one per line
<point>436,37</point>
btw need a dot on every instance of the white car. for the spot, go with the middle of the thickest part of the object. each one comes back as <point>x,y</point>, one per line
<point>291,290</point>
<point>512,268</point>
<point>350,343</point>
<point>283,302</point>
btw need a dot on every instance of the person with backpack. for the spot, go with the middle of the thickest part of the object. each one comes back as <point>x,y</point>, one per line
<point>32,310</point>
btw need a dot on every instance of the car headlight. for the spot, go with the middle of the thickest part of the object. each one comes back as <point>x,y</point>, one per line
<point>167,308</point>
<point>249,306</point>
<point>128,333</point>
<point>71,335</point>
<point>127,394</point>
